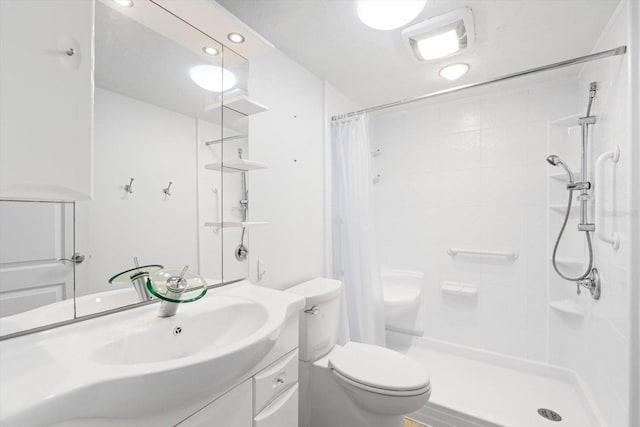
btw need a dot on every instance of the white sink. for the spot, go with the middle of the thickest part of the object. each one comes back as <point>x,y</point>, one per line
<point>134,365</point>
<point>198,333</point>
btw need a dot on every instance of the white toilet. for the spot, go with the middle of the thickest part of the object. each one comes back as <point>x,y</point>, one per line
<point>355,385</point>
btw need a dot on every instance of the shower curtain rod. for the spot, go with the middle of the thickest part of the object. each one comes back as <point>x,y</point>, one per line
<point>620,50</point>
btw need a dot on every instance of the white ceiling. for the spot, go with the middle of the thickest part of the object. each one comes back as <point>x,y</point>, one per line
<point>372,67</point>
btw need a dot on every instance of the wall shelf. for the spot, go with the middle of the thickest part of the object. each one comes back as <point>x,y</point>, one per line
<point>562,177</point>
<point>226,138</point>
<point>561,209</point>
<point>570,262</point>
<point>567,121</point>
<point>234,224</point>
<point>568,306</point>
<point>236,165</point>
<point>240,103</point>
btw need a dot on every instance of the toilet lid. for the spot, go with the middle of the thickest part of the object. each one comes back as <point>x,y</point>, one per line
<point>378,367</point>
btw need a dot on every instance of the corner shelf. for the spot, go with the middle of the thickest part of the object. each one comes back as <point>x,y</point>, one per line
<point>562,177</point>
<point>567,121</point>
<point>569,262</point>
<point>236,165</point>
<point>234,224</point>
<point>226,138</point>
<point>561,209</point>
<point>568,306</point>
<point>241,104</point>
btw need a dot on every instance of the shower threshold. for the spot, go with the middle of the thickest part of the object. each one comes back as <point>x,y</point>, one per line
<point>473,388</point>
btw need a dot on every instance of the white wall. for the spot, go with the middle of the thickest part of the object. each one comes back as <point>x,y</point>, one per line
<point>597,346</point>
<point>154,146</point>
<point>471,173</point>
<point>289,194</point>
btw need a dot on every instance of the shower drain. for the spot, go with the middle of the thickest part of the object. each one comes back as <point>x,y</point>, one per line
<point>549,414</point>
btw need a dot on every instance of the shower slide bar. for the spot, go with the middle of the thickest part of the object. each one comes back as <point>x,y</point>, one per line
<point>620,50</point>
<point>612,238</point>
<point>512,255</point>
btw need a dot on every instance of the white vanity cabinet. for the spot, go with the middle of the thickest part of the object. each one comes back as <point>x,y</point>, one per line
<point>268,399</point>
<point>46,107</point>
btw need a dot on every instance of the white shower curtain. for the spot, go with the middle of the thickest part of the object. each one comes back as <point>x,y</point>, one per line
<point>353,233</point>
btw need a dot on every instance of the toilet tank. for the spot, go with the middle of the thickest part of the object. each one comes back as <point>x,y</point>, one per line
<point>319,320</point>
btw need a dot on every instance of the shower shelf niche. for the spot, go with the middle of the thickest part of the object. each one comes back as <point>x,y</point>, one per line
<point>568,306</point>
<point>236,165</point>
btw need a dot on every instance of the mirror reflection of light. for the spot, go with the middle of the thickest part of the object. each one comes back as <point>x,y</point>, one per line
<point>212,78</point>
<point>388,14</point>
<point>124,3</point>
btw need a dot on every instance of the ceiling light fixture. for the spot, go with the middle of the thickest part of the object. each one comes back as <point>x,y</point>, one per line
<point>235,37</point>
<point>454,71</point>
<point>124,3</point>
<point>210,50</point>
<point>441,36</point>
<point>389,14</point>
<point>212,78</point>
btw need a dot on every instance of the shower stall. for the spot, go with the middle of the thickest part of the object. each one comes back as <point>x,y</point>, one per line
<point>465,205</point>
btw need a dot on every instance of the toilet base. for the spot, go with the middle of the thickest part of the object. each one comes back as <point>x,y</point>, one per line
<point>327,404</point>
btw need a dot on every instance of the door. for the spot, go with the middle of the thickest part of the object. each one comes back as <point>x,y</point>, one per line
<point>35,238</point>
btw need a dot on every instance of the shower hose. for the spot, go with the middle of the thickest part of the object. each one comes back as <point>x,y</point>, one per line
<point>555,248</point>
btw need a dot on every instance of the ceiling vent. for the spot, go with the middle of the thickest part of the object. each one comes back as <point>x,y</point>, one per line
<point>441,36</point>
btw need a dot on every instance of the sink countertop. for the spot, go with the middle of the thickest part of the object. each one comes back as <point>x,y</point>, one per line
<point>56,373</point>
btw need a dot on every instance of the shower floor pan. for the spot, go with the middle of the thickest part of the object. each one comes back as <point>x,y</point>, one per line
<point>474,388</point>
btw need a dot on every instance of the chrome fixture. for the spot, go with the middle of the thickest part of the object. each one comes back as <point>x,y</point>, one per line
<point>76,258</point>
<point>620,50</point>
<point>242,252</point>
<point>129,187</point>
<point>70,52</point>
<point>167,190</point>
<point>589,279</point>
<point>176,285</point>
<point>139,282</point>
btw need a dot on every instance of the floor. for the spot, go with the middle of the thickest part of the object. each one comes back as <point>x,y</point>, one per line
<point>486,394</point>
<point>411,423</point>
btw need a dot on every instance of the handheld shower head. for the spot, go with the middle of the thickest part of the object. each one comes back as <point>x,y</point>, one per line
<point>554,160</point>
<point>557,161</point>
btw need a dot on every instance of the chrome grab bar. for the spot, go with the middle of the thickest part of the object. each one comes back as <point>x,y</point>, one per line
<point>461,251</point>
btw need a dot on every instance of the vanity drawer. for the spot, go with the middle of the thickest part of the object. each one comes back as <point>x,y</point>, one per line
<point>282,412</point>
<point>274,379</point>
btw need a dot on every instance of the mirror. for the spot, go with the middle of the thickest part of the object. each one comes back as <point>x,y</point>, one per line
<point>159,190</point>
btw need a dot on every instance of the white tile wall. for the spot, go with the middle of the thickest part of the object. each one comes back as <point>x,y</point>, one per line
<point>471,173</point>
<point>598,349</point>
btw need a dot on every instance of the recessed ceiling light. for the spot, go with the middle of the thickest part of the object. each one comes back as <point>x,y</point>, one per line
<point>210,50</point>
<point>124,3</point>
<point>212,78</point>
<point>388,14</point>
<point>236,37</point>
<point>454,71</point>
<point>440,36</point>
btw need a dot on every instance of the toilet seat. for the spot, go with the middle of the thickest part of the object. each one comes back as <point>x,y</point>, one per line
<point>379,370</point>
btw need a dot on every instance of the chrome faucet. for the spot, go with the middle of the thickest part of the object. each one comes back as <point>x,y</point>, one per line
<point>176,285</point>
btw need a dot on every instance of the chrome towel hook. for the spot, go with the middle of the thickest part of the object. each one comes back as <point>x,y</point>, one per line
<point>167,190</point>
<point>129,187</point>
